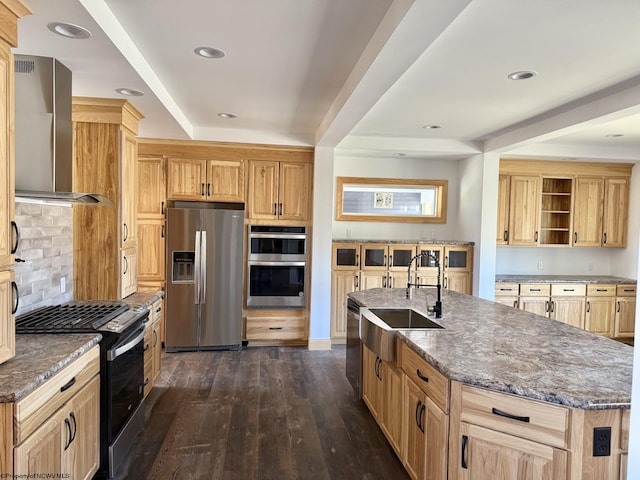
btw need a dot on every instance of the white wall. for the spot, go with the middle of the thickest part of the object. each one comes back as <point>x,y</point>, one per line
<point>352,166</point>
<point>625,261</point>
<point>555,261</point>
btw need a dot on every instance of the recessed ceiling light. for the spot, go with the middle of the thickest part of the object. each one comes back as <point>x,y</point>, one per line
<point>431,127</point>
<point>614,135</point>
<point>227,115</point>
<point>129,92</point>
<point>522,75</point>
<point>69,30</point>
<point>209,52</point>
<point>398,154</point>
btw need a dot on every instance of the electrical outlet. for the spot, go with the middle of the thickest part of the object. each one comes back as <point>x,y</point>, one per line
<point>590,267</point>
<point>63,284</point>
<point>349,233</point>
<point>602,441</point>
<point>540,265</point>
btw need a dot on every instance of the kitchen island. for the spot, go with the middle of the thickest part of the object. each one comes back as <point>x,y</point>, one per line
<point>506,392</point>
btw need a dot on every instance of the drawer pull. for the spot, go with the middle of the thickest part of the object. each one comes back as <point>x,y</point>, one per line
<point>463,459</point>
<point>601,289</point>
<point>275,328</point>
<point>630,290</point>
<point>534,289</point>
<point>568,290</point>
<point>506,289</point>
<point>588,307</point>
<point>421,376</point>
<point>147,347</point>
<point>68,385</point>
<point>146,382</point>
<point>500,413</point>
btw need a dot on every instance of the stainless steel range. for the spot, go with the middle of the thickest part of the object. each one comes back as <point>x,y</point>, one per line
<point>121,366</point>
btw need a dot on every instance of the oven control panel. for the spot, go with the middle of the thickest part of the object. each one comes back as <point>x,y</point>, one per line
<point>123,321</point>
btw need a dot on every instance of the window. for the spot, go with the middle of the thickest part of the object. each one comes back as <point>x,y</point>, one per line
<point>391,200</point>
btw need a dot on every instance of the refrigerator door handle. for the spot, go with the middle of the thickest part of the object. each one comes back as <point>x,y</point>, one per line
<point>203,266</point>
<point>196,272</point>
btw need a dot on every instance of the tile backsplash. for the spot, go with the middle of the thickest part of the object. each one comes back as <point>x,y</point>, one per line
<point>46,246</point>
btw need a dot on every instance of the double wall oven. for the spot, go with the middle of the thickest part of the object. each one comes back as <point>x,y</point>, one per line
<point>121,366</point>
<point>277,266</point>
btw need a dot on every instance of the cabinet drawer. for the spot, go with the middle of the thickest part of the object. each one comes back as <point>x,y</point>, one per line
<point>569,289</point>
<point>506,289</point>
<point>430,381</point>
<point>530,419</point>
<point>35,408</point>
<point>601,290</point>
<point>270,328</point>
<point>535,289</point>
<point>626,290</point>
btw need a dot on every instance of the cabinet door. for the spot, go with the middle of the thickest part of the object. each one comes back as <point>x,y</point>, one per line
<point>295,191</point>
<point>458,259</point>
<point>509,300</point>
<point>156,346</point>
<point>524,210</point>
<point>186,179</point>
<point>129,266</point>
<point>427,272</point>
<point>391,398</point>
<point>487,454</point>
<point>413,418</point>
<point>587,213</point>
<point>343,282</point>
<point>625,316</point>
<point>7,323</point>
<point>129,185</point>
<point>263,190</point>
<point>82,457</point>
<point>616,212</point>
<point>600,315</point>
<point>374,256</point>
<point>346,256</point>
<point>151,254</point>
<point>502,228</point>
<point>569,310</point>
<point>225,180</point>
<point>42,451</point>
<point>458,282</point>
<point>436,426</point>
<point>537,305</point>
<point>400,255</point>
<point>6,159</point>
<point>371,382</point>
<point>151,188</point>
<point>373,280</point>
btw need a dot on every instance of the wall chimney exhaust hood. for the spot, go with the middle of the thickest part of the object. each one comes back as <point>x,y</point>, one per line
<point>43,133</point>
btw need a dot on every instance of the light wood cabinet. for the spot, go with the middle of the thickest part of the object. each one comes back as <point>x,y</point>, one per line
<point>458,263</point>
<point>8,293</point>
<point>105,162</point>
<point>57,426</point>
<point>372,382</point>
<point>502,226</point>
<point>616,212</point>
<point>568,304</point>
<point>524,209</point>
<point>600,309</point>
<point>153,345</point>
<point>151,251</point>
<point>413,411</point>
<point>507,294</point>
<point>264,327</point>
<point>279,190</point>
<point>587,216</point>
<point>391,397</point>
<point>151,187</point>
<point>625,316</point>
<point>213,180</point>
<point>343,282</point>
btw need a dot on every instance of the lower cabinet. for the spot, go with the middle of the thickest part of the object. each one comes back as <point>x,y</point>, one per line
<point>152,346</point>
<point>57,427</point>
<point>391,397</point>
<point>7,322</point>
<point>275,327</point>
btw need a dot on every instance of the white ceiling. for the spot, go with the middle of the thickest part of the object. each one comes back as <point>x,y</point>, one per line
<point>365,75</point>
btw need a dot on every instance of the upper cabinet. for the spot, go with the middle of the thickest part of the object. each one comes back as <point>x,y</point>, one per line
<point>105,162</point>
<point>205,180</point>
<point>562,204</point>
<point>280,190</point>
<point>151,187</point>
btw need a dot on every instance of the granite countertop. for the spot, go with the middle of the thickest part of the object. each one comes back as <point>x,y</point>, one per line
<point>562,279</point>
<point>410,241</point>
<point>38,358</point>
<point>143,299</point>
<point>494,346</point>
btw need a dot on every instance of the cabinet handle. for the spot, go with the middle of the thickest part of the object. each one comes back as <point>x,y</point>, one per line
<point>16,240</point>
<point>421,417</point>
<point>202,189</point>
<point>384,281</point>
<point>534,289</point>
<point>575,237</point>
<point>146,382</point>
<point>390,281</point>
<point>75,427</point>
<point>500,413</point>
<point>126,232</point>
<point>275,328</point>
<point>208,189</point>
<point>68,385</point>
<point>162,232</point>
<point>553,306</point>
<point>515,304</point>
<point>68,442</point>
<point>126,266</point>
<point>628,290</point>
<point>546,306</point>
<point>568,290</point>
<point>384,260</point>
<point>421,376</point>
<point>155,338</point>
<point>588,307</point>
<point>601,289</point>
<point>605,237</point>
<point>506,289</point>
<point>162,208</point>
<point>618,308</point>
<point>446,261</point>
<point>356,282</point>
<point>446,282</point>
<point>463,456</point>
<point>280,213</point>
<point>506,236</point>
<point>147,347</point>
<point>275,209</point>
<point>158,310</point>
<point>535,237</point>
<point>16,297</point>
<point>417,414</point>
<point>357,260</point>
<point>391,260</point>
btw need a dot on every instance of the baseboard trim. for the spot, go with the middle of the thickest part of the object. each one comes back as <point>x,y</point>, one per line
<point>319,344</point>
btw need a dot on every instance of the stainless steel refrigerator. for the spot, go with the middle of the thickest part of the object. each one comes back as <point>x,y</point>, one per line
<point>204,277</point>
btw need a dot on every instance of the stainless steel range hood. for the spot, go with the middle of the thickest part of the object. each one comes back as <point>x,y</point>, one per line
<point>43,133</point>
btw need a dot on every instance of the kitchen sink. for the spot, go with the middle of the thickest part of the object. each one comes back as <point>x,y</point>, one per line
<point>378,327</point>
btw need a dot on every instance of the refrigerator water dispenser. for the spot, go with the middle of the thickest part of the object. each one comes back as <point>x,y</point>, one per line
<point>183,267</point>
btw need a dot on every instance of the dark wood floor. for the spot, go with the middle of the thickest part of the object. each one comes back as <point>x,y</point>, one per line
<point>261,413</point>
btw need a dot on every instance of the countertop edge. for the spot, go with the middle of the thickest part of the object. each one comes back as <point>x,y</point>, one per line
<point>409,241</point>
<point>516,278</point>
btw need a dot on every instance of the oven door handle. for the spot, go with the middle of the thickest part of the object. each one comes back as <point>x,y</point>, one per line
<point>115,353</point>
<point>286,236</point>
<point>276,264</point>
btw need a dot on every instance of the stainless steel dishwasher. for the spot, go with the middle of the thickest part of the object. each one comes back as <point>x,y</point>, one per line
<point>354,347</point>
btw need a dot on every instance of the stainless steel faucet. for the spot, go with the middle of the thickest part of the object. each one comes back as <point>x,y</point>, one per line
<point>437,308</point>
